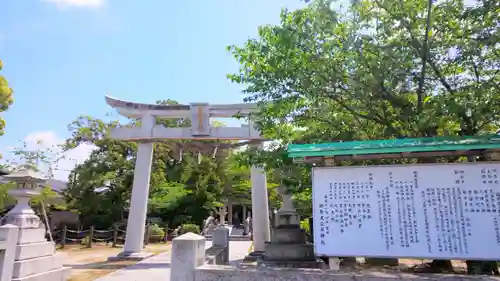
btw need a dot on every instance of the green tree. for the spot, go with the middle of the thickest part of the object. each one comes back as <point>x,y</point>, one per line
<point>37,159</point>
<point>6,98</point>
<point>238,180</point>
<point>325,71</point>
<point>380,69</point>
<point>99,189</point>
<point>5,199</point>
<point>181,189</point>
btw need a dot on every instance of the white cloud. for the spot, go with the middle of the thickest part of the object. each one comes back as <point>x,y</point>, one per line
<point>44,140</point>
<point>77,3</point>
<point>49,141</point>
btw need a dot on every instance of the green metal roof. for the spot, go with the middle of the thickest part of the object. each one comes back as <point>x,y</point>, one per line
<point>394,146</point>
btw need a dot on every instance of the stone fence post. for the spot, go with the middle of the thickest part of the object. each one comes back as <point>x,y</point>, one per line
<point>220,238</point>
<point>188,252</point>
<point>8,236</point>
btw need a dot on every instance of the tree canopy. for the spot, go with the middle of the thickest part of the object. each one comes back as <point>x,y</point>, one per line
<point>383,69</point>
<point>378,69</point>
<point>6,98</point>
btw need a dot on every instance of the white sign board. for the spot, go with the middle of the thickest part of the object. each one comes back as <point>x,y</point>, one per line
<point>444,211</point>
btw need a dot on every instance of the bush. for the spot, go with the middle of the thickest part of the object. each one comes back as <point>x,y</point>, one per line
<point>189,227</point>
<point>156,233</point>
<point>304,224</point>
<point>85,240</point>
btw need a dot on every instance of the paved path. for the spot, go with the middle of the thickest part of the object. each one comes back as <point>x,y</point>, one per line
<point>158,267</point>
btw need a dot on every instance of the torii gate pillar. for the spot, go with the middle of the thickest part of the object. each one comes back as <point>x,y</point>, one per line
<point>134,240</point>
<point>148,132</point>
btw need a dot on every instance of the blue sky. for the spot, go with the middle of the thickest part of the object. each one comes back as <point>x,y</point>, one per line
<point>62,56</point>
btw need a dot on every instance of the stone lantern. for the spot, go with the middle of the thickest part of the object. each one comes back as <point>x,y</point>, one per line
<point>27,186</point>
<point>288,246</point>
<point>35,257</point>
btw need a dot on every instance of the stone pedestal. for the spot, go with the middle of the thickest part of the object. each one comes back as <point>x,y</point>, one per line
<point>288,246</point>
<point>35,258</point>
<point>188,252</point>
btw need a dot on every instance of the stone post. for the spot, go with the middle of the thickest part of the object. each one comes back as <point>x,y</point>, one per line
<point>8,235</point>
<point>230,213</point>
<point>244,213</point>
<point>220,238</point>
<point>188,252</point>
<point>260,208</point>
<point>134,238</point>
<point>222,215</point>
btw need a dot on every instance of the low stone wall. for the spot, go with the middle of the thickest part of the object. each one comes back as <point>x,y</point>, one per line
<point>229,273</point>
<point>190,258</point>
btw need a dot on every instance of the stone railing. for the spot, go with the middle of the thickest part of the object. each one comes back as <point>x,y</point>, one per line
<point>188,253</point>
<point>8,242</point>
<point>191,262</point>
<point>230,273</point>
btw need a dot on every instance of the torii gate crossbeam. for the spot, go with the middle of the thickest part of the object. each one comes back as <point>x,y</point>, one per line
<point>149,131</point>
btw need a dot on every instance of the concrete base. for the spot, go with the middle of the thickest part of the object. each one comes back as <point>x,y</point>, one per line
<point>123,256</point>
<point>289,251</point>
<point>34,266</point>
<point>288,247</point>
<point>231,238</point>
<point>35,258</point>
<point>34,250</point>
<point>254,256</point>
<point>318,263</point>
<point>288,234</point>
<point>226,273</point>
<point>60,274</point>
<point>31,235</point>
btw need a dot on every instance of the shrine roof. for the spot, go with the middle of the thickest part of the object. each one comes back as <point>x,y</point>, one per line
<point>24,174</point>
<point>394,148</point>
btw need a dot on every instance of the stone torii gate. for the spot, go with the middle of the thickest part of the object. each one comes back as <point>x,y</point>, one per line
<point>148,132</point>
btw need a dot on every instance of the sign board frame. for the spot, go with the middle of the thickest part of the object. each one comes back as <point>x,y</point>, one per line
<point>401,167</point>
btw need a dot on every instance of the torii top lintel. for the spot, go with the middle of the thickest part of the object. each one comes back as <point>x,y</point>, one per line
<point>198,113</point>
<point>134,109</point>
